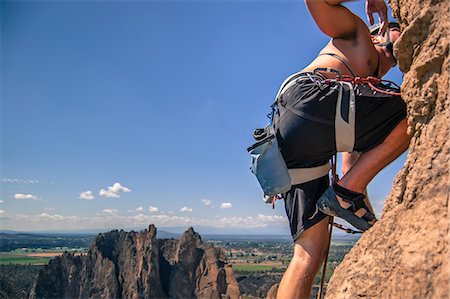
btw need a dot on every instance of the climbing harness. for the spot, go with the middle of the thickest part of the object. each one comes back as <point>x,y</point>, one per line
<point>268,164</point>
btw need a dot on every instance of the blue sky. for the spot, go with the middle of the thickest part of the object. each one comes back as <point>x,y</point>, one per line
<point>124,113</point>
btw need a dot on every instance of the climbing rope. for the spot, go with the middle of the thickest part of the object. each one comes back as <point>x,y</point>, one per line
<point>334,179</point>
<point>372,82</point>
<point>324,269</point>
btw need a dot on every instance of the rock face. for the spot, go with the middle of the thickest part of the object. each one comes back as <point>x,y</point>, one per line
<point>405,255</point>
<point>136,265</point>
<point>272,294</point>
<point>258,285</point>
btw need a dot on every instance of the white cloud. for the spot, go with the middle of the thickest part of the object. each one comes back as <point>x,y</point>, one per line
<point>107,193</point>
<point>114,190</point>
<point>140,209</point>
<point>163,220</point>
<point>226,205</point>
<point>19,181</point>
<point>250,221</point>
<point>140,218</point>
<point>117,187</point>
<point>112,218</point>
<point>1,201</point>
<point>25,196</point>
<point>207,202</point>
<point>270,218</point>
<point>57,217</point>
<point>1,212</point>
<point>185,209</point>
<point>86,195</point>
<point>152,209</point>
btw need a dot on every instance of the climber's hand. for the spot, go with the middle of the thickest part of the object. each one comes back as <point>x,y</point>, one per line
<point>377,7</point>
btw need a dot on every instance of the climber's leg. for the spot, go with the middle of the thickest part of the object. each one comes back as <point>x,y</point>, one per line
<point>348,160</point>
<point>373,161</point>
<point>346,199</point>
<point>309,251</point>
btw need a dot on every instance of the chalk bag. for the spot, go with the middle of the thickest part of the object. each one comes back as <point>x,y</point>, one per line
<point>268,164</point>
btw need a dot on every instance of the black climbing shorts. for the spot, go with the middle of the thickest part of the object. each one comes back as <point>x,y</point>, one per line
<point>307,137</point>
<point>300,204</point>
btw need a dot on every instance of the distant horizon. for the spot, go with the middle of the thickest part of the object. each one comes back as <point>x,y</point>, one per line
<point>172,231</point>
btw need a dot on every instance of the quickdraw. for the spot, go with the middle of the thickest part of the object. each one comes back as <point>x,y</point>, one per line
<point>346,229</point>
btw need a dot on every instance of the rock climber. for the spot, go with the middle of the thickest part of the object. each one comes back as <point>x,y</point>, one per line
<point>308,138</point>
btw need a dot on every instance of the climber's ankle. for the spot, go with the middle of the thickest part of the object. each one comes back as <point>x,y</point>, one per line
<point>351,185</point>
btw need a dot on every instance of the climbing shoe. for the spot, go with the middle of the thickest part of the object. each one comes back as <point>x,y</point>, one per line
<point>329,204</point>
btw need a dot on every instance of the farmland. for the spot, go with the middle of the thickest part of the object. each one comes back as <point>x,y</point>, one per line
<point>259,263</point>
<point>35,256</point>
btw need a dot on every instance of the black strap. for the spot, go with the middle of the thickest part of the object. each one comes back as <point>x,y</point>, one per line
<point>378,66</point>
<point>356,200</point>
<point>341,60</point>
<point>368,216</point>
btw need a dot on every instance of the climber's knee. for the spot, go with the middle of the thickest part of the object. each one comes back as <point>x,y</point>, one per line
<point>310,247</point>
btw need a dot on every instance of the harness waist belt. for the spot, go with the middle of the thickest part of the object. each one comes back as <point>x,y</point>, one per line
<point>303,175</point>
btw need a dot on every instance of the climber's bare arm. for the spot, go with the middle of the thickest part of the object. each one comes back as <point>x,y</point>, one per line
<point>333,19</point>
<point>337,21</point>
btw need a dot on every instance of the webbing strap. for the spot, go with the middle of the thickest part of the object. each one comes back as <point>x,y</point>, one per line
<point>288,83</point>
<point>341,60</point>
<point>303,175</point>
<point>345,118</point>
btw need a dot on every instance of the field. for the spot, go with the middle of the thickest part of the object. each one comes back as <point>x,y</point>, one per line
<point>259,264</point>
<point>30,257</point>
<point>258,267</point>
<point>7,258</point>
